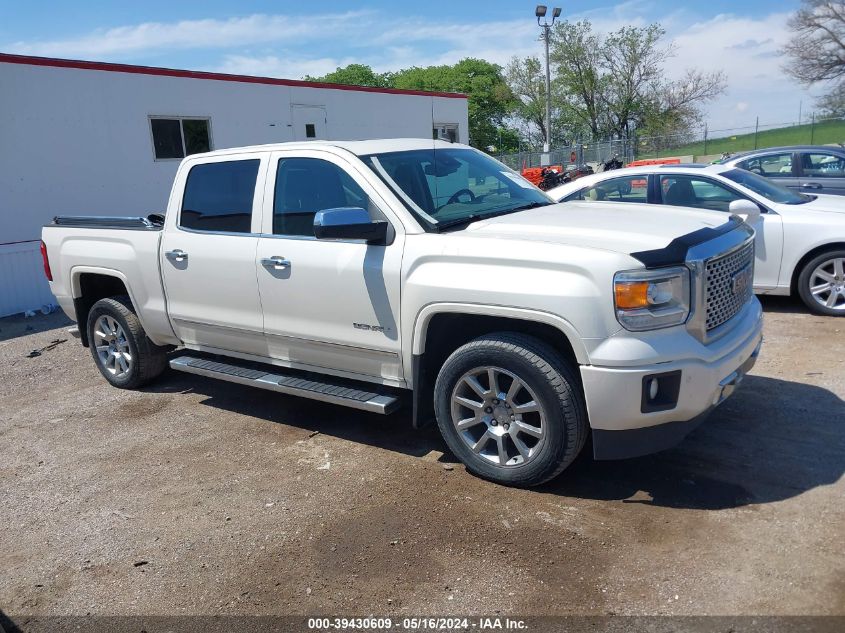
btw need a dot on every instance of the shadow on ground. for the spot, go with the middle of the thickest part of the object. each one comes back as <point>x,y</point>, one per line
<point>783,305</point>
<point>19,325</point>
<point>389,432</point>
<point>771,441</point>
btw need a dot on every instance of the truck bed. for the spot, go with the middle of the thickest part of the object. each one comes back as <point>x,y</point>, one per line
<point>82,249</point>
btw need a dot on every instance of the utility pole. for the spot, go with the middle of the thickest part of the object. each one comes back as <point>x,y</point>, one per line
<point>705,138</point>
<point>756,129</point>
<point>540,12</point>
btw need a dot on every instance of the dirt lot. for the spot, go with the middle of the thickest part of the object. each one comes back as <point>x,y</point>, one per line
<point>196,496</point>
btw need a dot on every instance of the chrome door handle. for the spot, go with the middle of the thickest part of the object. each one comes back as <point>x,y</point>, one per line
<point>275,262</point>
<point>177,255</point>
<point>811,185</point>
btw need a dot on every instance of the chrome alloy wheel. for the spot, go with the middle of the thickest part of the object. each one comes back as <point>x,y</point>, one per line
<point>827,284</point>
<point>498,416</point>
<point>112,346</point>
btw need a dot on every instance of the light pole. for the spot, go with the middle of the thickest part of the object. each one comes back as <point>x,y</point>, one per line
<point>540,12</point>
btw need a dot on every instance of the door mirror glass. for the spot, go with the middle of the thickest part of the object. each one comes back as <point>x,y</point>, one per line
<point>349,223</point>
<point>749,211</point>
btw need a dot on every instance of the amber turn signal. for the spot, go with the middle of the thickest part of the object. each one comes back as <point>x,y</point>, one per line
<point>631,294</point>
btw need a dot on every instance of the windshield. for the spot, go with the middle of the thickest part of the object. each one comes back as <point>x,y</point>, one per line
<point>766,188</point>
<point>454,186</point>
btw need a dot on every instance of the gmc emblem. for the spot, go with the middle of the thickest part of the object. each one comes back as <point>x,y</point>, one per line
<point>741,280</point>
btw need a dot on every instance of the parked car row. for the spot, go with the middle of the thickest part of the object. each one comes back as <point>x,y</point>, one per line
<point>800,237</point>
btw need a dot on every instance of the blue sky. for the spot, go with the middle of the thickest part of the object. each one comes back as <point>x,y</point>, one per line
<point>292,39</point>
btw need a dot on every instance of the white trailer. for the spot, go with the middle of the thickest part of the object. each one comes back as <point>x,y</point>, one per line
<point>76,136</point>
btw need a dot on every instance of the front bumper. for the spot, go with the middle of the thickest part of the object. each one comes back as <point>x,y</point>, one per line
<point>624,427</point>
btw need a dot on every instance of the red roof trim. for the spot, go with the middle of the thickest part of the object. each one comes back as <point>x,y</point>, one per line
<point>195,74</point>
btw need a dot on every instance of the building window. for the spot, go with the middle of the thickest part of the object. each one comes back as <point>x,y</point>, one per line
<point>310,130</point>
<point>179,137</point>
<point>445,132</point>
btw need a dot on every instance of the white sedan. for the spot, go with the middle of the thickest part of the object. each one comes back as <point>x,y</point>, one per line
<point>800,241</point>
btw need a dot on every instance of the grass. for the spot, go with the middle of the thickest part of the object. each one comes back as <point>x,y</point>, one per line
<point>824,132</point>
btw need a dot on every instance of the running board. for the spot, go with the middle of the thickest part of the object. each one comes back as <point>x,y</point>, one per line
<point>291,385</point>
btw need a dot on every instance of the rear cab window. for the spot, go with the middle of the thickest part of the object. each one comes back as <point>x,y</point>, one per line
<point>219,196</point>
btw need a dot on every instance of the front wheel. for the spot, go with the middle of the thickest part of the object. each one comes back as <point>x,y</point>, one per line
<point>821,283</point>
<point>120,347</point>
<point>511,409</point>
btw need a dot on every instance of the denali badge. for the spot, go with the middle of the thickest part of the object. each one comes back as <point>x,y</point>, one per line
<point>364,326</point>
<point>741,280</point>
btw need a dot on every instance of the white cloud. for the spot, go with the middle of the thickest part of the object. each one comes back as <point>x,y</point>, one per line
<point>196,34</point>
<point>275,66</point>
<point>747,51</point>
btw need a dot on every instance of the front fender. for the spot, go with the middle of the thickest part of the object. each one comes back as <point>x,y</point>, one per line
<point>427,312</point>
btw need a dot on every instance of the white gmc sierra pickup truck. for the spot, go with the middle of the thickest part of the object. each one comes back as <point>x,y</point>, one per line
<point>355,272</point>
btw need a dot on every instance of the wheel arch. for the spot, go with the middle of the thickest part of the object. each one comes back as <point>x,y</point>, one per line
<point>89,285</point>
<point>441,328</point>
<point>809,255</point>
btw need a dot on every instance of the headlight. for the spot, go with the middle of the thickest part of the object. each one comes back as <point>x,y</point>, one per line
<point>652,299</point>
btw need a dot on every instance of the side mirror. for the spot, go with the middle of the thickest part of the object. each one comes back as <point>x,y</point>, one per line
<point>349,223</point>
<point>748,210</point>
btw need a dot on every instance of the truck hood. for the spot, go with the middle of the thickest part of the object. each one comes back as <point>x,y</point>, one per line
<point>621,227</point>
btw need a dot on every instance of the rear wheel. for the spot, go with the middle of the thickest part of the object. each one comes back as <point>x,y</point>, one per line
<point>120,347</point>
<point>821,284</point>
<point>511,409</point>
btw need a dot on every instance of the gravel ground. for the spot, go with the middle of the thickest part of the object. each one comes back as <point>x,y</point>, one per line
<point>201,497</point>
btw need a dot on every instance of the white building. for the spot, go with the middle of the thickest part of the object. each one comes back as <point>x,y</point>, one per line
<point>88,138</point>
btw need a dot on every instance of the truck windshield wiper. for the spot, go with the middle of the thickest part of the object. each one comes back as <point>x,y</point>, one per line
<point>531,205</point>
<point>474,217</point>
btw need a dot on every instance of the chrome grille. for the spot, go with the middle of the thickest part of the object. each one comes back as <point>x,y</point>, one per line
<point>722,299</point>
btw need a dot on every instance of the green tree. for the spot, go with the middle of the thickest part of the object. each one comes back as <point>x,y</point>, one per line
<point>355,75</point>
<point>526,78</point>
<point>817,50</point>
<point>576,57</point>
<point>615,84</point>
<point>527,82</point>
<point>490,100</point>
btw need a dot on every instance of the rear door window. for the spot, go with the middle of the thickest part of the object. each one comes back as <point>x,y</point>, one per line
<point>821,165</point>
<point>632,188</point>
<point>700,193</point>
<point>219,196</point>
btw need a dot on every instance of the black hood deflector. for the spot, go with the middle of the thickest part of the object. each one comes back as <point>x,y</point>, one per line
<point>675,252</point>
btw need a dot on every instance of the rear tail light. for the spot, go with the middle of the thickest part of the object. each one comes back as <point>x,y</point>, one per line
<point>44,257</point>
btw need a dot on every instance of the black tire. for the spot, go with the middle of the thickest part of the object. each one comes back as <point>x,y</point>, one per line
<point>148,360</point>
<point>554,384</point>
<point>805,281</point>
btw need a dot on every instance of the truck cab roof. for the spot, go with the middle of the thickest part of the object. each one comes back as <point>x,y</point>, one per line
<point>359,148</point>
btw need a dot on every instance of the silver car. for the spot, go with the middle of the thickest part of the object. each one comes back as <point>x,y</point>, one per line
<point>807,168</point>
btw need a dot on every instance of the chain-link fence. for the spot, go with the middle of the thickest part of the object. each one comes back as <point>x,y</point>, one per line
<point>578,154</point>
<point>701,145</point>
